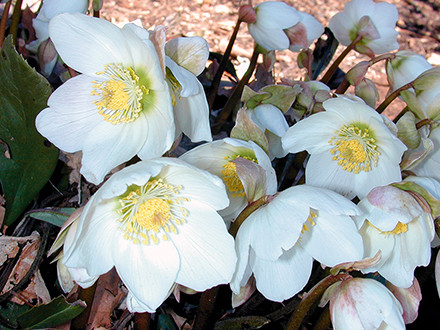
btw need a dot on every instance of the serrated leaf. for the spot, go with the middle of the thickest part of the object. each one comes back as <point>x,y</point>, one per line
<point>242,323</point>
<point>28,163</point>
<point>56,216</point>
<point>57,312</point>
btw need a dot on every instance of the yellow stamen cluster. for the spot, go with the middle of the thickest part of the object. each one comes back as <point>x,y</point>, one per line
<point>174,84</point>
<point>309,219</point>
<point>355,150</point>
<point>399,229</point>
<point>150,211</point>
<point>231,178</point>
<point>120,93</point>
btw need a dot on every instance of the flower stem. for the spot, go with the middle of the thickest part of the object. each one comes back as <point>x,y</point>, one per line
<point>330,72</point>
<point>206,307</point>
<point>3,22</point>
<point>212,93</point>
<point>247,212</point>
<point>311,297</point>
<point>392,96</point>
<point>15,19</point>
<point>235,97</point>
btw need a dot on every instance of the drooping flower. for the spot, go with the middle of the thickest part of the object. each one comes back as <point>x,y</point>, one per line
<point>375,22</point>
<point>404,67</point>
<point>218,158</point>
<point>351,148</point>
<point>118,108</point>
<point>394,223</point>
<point>279,26</point>
<point>278,242</point>
<point>361,303</point>
<point>155,222</point>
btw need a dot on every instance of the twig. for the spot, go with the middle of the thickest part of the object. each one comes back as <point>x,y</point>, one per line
<point>3,22</point>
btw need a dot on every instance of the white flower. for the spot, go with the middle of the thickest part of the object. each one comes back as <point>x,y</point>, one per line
<point>361,303</point>
<point>379,33</point>
<point>217,158</point>
<point>156,223</point>
<point>279,26</point>
<point>351,148</point>
<point>272,122</point>
<point>396,224</point>
<point>404,67</point>
<point>186,59</point>
<point>430,165</point>
<point>278,242</point>
<point>118,108</point>
<point>48,10</point>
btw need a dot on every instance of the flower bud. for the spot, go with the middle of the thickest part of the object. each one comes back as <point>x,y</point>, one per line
<point>407,130</point>
<point>247,14</point>
<point>357,73</point>
<point>367,90</point>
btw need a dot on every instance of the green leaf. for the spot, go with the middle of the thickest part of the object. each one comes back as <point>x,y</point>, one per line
<point>26,163</point>
<point>165,322</point>
<point>10,311</point>
<point>54,215</point>
<point>57,312</point>
<point>325,48</point>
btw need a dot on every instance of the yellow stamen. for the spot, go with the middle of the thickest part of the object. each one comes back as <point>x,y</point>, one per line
<point>399,229</point>
<point>231,177</point>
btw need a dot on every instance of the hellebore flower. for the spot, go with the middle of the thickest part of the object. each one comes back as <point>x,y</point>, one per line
<point>218,158</point>
<point>279,26</point>
<point>48,10</point>
<point>362,303</point>
<point>375,22</point>
<point>279,241</point>
<point>351,148</point>
<point>404,67</point>
<point>395,223</point>
<point>155,222</point>
<point>118,108</point>
<point>185,60</point>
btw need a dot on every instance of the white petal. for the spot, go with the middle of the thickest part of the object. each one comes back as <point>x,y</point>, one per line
<point>189,52</point>
<point>204,262</point>
<point>282,279</point>
<point>86,43</point>
<point>108,146</point>
<point>51,8</point>
<point>270,39</point>
<point>271,118</point>
<point>185,78</point>
<point>148,271</point>
<point>332,240</point>
<point>243,270</point>
<point>71,114</point>
<point>276,15</point>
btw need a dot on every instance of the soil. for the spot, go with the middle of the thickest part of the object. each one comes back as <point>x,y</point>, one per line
<point>418,26</point>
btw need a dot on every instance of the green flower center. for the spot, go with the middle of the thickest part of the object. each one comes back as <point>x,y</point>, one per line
<point>151,212</point>
<point>120,94</point>
<point>231,177</point>
<point>355,150</point>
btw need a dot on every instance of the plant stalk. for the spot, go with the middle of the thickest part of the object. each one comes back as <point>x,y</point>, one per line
<point>392,96</point>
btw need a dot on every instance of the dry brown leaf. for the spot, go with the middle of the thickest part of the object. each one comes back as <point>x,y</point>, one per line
<point>9,245</point>
<point>108,295</point>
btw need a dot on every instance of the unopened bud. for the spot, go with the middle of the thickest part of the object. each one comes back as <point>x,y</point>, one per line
<point>357,73</point>
<point>47,56</point>
<point>407,130</point>
<point>362,49</point>
<point>247,14</point>
<point>429,79</point>
<point>367,90</point>
<point>269,60</point>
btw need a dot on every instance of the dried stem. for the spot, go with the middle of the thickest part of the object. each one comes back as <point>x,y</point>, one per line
<point>311,297</point>
<point>236,95</point>
<point>212,93</point>
<point>330,72</point>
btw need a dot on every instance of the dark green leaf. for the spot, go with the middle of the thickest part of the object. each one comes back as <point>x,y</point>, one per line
<point>325,48</point>
<point>242,323</point>
<point>9,313</point>
<point>165,322</point>
<point>57,312</point>
<point>26,163</point>
<point>54,215</point>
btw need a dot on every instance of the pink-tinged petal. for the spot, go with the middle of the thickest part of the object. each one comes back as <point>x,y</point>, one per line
<point>101,219</point>
<point>409,299</point>
<point>204,262</point>
<point>332,239</point>
<point>71,114</point>
<point>283,278</point>
<point>148,271</point>
<point>108,146</point>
